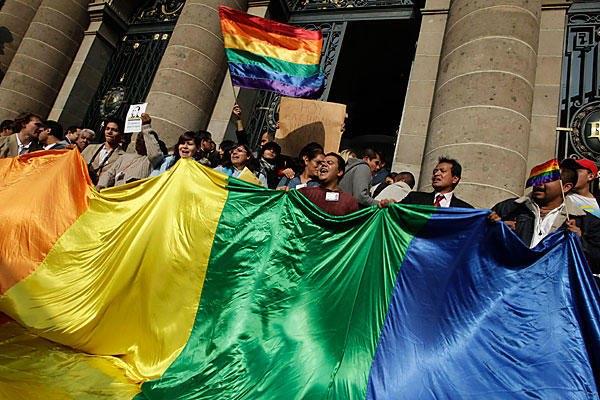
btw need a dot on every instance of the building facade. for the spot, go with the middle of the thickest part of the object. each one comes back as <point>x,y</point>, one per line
<point>501,85</point>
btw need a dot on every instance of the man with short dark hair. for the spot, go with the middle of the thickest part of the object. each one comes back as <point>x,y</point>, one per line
<point>403,184</point>
<point>142,156</point>
<point>444,179</point>
<point>206,154</point>
<point>328,196</point>
<point>357,176</point>
<point>25,140</point>
<point>100,157</point>
<point>545,210</point>
<point>587,172</point>
<point>6,128</point>
<point>72,134</point>
<point>52,137</point>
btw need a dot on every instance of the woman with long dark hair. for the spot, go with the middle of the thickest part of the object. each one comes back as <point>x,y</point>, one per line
<point>271,163</point>
<point>187,146</point>
<point>241,157</point>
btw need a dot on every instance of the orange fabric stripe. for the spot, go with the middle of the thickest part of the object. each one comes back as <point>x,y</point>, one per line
<point>35,193</point>
<point>273,39</point>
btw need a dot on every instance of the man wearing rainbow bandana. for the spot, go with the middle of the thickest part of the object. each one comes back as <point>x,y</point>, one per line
<point>547,208</point>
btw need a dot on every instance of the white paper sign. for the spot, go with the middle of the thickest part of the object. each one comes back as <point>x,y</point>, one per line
<point>133,123</point>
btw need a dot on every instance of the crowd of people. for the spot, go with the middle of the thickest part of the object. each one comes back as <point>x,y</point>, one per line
<point>338,183</point>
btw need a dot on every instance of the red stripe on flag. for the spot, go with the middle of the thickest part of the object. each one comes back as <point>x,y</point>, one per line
<point>268,25</point>
<point>545,167</point>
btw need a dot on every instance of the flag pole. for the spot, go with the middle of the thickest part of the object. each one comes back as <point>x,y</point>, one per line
<point>562,190</point>
<point>233,91</point>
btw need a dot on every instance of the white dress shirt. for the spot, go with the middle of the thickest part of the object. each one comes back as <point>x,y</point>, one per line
<point>445,201</point>
<point>543,225</point>
<point>104,154</point>
<point>22,147</point>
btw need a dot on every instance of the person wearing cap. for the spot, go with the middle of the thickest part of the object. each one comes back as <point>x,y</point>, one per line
<point>587,171</point>
<point>545,209</point>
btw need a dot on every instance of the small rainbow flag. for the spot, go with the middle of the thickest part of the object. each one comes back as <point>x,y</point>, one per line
<point>269,55</point>
<point>544,173</point>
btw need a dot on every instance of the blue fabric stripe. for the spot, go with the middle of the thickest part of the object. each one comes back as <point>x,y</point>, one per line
<point>255,72</point>
<point>495,321</point>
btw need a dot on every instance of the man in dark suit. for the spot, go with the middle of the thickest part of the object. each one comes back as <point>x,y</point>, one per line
<point>444,179</point>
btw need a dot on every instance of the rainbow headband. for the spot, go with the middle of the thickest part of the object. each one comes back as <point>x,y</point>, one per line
<point>544,173</point>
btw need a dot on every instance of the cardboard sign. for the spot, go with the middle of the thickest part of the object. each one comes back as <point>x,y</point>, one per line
<point>133,123</point>
<point>303,121</point>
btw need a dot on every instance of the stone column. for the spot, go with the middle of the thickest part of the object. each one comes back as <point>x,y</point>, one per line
<point>412,134</point>
<point>483,99</point>
<point>107,25</point>
<point>44,57</point>
<point>189,77</point>
<point>546,96</point>
<point>15,17</point>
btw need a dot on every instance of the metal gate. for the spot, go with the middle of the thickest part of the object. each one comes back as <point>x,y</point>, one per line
<point>266,106</point>
<point>129,74</point>
<point>580,89</point>
<point>331,17</point>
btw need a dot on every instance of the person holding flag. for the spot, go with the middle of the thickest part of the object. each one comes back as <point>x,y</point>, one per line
<point>547,208</point>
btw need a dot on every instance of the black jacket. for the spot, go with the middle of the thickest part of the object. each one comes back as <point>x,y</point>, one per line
<point>208,158</point>
<point>427,199</point>
<point>517,210</point>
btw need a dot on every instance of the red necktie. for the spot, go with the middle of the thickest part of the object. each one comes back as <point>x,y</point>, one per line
<point>438,200</point>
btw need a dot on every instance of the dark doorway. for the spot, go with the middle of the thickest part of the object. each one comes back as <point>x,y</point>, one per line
<point>371,78</point>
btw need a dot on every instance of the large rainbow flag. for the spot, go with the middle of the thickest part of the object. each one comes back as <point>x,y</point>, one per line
<point>193,285</point>
<point>265,54</point>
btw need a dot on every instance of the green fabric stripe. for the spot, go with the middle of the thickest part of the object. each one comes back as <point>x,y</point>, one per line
<point>293,301</point>
<point>272,64</point>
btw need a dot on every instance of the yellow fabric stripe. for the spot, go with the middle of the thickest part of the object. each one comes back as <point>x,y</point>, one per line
<point>264,48</point>
<point>126,278</point>
<point>35,368</point>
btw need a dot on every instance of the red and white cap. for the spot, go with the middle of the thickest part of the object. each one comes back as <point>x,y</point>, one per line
<point>582,163</point>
